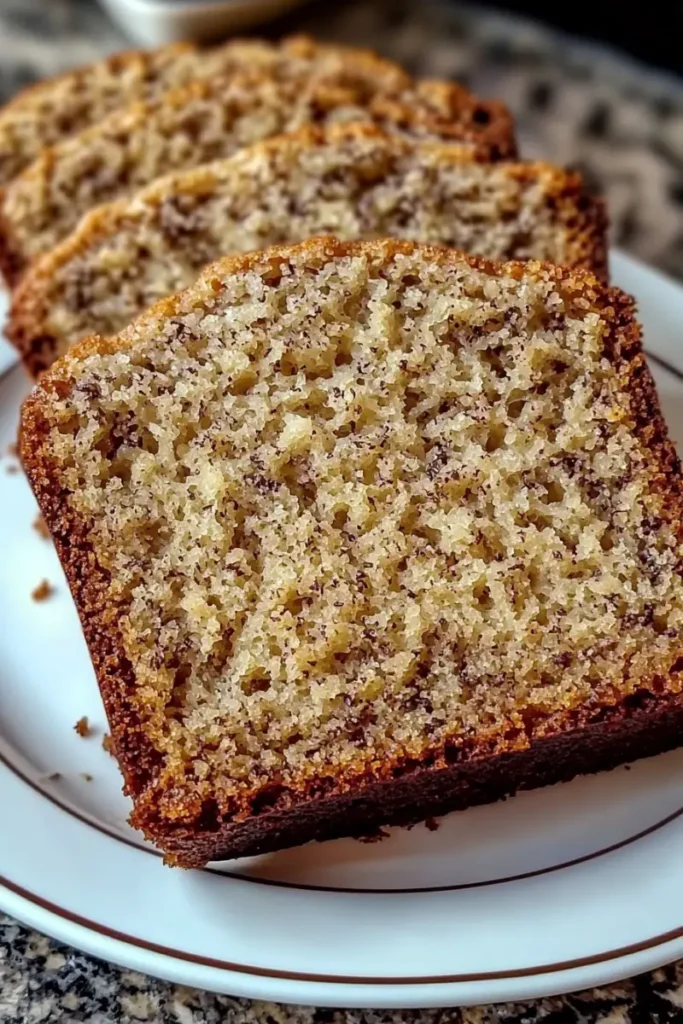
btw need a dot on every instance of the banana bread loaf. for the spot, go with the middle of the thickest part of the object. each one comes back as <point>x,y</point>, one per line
<point>363,532</point>
<point>354,181</point>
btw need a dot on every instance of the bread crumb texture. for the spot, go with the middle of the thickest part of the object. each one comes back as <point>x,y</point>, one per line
<point>358,502</point>
<point>351,181</point>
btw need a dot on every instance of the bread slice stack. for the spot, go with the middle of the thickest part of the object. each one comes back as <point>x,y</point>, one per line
<point>352,181</point>
<point>361,533</point>
<point>214,116</point>
<point>51,111</point>
<point>375,517</point>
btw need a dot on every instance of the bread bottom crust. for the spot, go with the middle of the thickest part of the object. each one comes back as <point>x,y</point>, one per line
<point>644,726</point>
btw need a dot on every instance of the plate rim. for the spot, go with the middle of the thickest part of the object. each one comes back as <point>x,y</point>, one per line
<point>146,848</point>
<point>253,982</point>
<point>181,965</point>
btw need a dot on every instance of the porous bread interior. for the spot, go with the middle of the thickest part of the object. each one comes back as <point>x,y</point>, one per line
<point>356,504</point>
<point>354,182</point>
<point>207,121</point>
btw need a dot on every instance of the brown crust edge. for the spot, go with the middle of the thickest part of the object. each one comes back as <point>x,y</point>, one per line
<point>596,736</point>
<point>486,123</point>
<point>642,727</point>
<point>12,263</point>
<point>587,223</point>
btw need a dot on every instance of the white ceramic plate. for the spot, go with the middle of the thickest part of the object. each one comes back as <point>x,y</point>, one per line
<point>555,890</point>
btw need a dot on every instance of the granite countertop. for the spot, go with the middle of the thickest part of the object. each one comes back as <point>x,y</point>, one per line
<point>622,125</point>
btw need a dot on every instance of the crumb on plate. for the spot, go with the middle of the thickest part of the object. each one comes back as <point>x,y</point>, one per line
<point>40,526</point>
<point>83,728</point>
<point>373,837</point>
<point>42,591</point>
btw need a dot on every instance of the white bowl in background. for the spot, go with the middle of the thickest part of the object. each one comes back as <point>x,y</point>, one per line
<point>155,22</point>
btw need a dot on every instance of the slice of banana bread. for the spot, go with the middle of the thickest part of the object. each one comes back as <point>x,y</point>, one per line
<point>360,533</point>
<point>51,111</point>
<point>354,181</point>
<point>212,119</point>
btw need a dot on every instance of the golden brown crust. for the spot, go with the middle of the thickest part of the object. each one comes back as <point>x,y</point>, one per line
<point>587,225</point>
<point>640,727</point>
<point>582,219</point>
<point>11,260</point>
<point>601,733</point>
<point>88,582</point>
<point>360,60</point>
<point>458,114</point>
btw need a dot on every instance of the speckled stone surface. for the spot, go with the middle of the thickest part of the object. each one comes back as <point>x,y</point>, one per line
<point>622,124</point>
<point>43,983</point>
